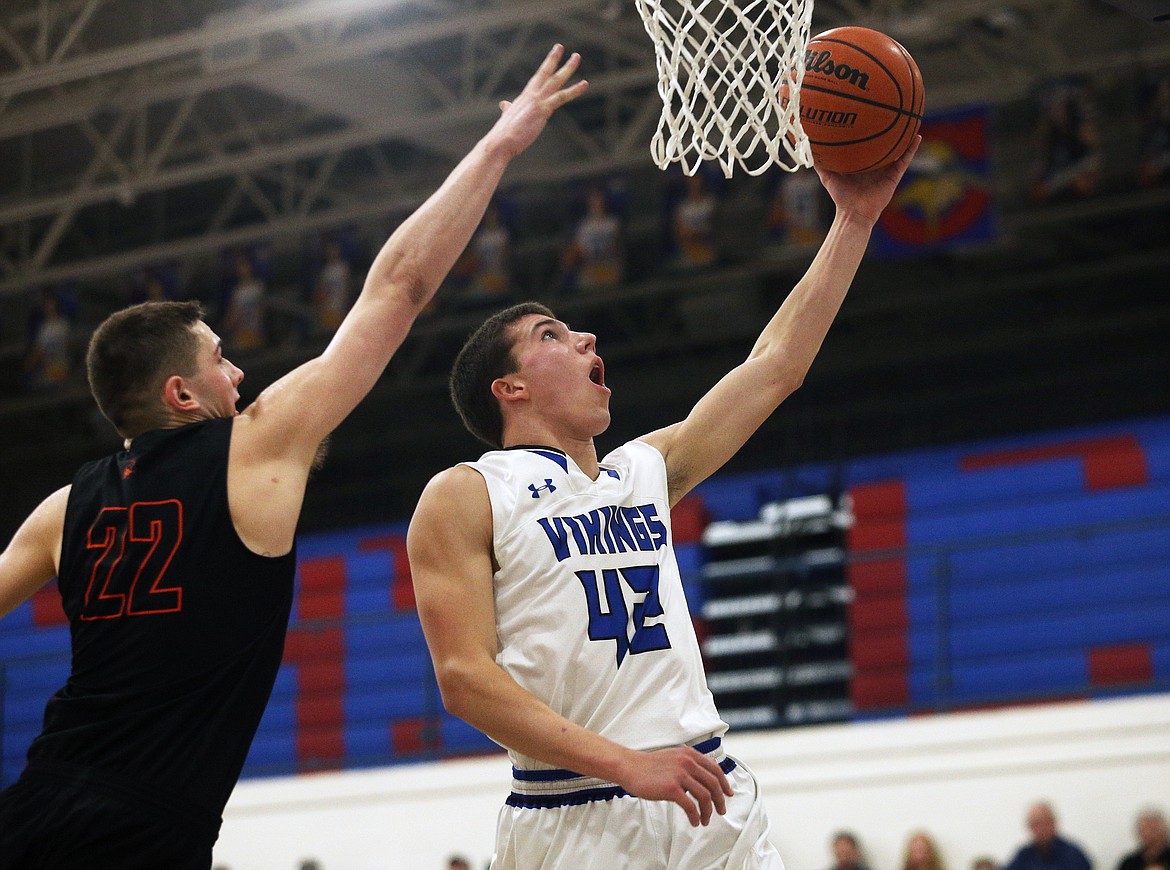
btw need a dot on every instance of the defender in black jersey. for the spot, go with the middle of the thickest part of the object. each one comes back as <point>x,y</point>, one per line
<point>175,557</point>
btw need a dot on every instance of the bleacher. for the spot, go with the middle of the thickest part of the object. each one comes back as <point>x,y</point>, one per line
<point>997,573</point>
<point>1012,572</point>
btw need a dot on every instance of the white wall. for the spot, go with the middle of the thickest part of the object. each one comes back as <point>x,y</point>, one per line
<point>967,778</point>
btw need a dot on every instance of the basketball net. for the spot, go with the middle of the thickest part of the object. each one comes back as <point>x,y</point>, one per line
<point>721,64</point>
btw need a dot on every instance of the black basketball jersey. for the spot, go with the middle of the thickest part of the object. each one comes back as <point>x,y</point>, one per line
<point>177,627</point>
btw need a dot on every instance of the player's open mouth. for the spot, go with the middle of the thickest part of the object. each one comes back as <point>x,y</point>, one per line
<point>597,373</point>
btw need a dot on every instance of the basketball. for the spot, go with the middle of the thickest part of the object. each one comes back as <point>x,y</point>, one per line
<point>861,101</point>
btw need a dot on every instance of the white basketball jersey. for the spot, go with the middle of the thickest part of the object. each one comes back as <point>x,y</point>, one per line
<point>590,612</point>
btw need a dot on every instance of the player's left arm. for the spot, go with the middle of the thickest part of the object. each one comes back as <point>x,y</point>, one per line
<point>30,560</point>
<point>723,420</point>
<point>743,399</point>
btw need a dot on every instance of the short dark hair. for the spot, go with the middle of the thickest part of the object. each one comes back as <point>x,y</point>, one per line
<point>485,356</point>
<point>130,355</point>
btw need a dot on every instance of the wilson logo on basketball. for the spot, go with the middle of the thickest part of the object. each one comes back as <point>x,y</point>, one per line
<point>822,62</point>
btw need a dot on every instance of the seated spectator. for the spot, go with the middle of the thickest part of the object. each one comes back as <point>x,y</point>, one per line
<point>594,258</point>
<point>243,325</point>
<point>984,862</point>
<point>847,853</point>
<point>1047,850</point>
<point>1153,842</point>
<point>1154,165</point>
<point>48,360</point>
<point>922,853</point>
<point>693,224</point>
<point>797,215</point>
<point>486,265</point>
<point>155,284</point>
<point>1067,145</point>
<point>332,291</point>
<point>458,862</point>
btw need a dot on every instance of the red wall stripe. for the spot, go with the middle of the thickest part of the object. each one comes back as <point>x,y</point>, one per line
<point>325,574</point>
<point>317,677</point>
<point>688,518</point>
<point>307,644</point>
<point>321,605</point>
<point>320,748</point>
<point>880,689</point>
<point>46,607</point>
<point>1121,664</point>
<point>878,612</point>
<point>886,498</point>
<point>1109,462</point>
<point>878,617</point>
<point>319,657</point>
<point>876,535</point>
<point>408,736</point>
<point>402,589</point>
<point>877,577</point>
<point>879,650</point>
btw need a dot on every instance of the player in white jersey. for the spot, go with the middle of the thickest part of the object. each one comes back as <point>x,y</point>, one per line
<point>549,594</point>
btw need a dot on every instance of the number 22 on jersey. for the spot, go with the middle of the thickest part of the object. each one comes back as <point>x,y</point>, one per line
<point>130,550</point>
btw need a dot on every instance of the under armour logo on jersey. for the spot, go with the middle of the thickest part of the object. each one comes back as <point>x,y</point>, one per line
<point>535,490</point>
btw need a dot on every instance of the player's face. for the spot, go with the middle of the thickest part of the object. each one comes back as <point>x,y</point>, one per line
<point>216,380</point>
<point>562,372</point>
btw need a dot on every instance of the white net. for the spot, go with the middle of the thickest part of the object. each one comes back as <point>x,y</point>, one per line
<point>721,65</point>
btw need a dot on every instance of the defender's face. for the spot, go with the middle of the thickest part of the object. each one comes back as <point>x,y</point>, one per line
<point>562,372</point>
<point>216,381</point>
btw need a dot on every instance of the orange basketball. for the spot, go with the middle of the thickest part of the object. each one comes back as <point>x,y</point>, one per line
<point>861,101</point>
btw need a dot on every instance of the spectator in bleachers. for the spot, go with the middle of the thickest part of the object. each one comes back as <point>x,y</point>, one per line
<point>48,360</point>
<point>1153,842</point>
<point>1154,165</point>
<point>847,853</point>
<point>147,288</point>
<point>1047,850</point>
<point>797,214</point>
<point>693,224</point>
<point>595,256</point>
<point>333,288</point>
<point>984,862</point>
<point>1068,144</point>
<point>243,324</point>
<point>922,853</point>
<point>155,284</point>
<point>458,862</point>
<point>486,266</point>
<point>309,864</point>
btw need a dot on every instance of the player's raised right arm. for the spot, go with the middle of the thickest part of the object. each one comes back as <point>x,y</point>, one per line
<point>450,549</point>
<point>298,411</point>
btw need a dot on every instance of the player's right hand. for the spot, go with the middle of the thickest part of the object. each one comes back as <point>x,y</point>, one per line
<point>523,118</point>
<point>683,776</point>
